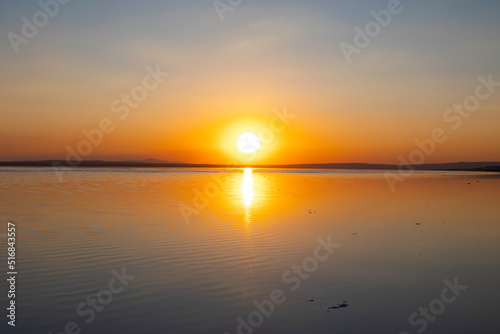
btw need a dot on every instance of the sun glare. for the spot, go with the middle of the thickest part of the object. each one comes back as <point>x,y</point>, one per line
<point>248,142</point>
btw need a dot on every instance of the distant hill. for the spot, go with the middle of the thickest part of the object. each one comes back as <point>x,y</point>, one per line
<point>156,161</point>
<point>439,166</point>
<point>471,166</point>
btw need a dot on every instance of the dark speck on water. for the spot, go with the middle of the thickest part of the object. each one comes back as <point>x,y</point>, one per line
<point>344,304</point>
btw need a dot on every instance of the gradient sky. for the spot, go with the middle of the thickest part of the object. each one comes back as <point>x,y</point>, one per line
<point>226,77</point>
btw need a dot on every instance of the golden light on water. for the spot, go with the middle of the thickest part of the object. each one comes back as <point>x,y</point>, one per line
<point>247,186</point>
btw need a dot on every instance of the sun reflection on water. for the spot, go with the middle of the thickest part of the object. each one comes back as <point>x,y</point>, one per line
<point>247,187</point>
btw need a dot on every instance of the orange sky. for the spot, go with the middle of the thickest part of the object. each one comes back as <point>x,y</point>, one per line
<point>228,77</point>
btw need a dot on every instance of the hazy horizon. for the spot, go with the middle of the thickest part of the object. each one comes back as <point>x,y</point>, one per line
<point>161,161</point>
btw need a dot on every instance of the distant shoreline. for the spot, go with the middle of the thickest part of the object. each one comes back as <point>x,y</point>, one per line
<point>457,166</point>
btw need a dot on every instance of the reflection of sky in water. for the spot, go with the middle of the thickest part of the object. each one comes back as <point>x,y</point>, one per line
<point>199,278</point>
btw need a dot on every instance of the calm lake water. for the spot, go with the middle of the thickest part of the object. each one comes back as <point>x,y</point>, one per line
<point>205,250</point>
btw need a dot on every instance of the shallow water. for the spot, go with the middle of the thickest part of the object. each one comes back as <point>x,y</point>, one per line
<point>204,244</point>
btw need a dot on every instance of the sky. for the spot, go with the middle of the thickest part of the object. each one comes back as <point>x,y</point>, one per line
<point>181,80</point>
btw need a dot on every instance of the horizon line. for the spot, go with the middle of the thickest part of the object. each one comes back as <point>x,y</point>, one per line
<point>165,163</point>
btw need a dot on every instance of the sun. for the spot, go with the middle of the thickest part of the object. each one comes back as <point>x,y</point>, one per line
<point>248,142</point>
